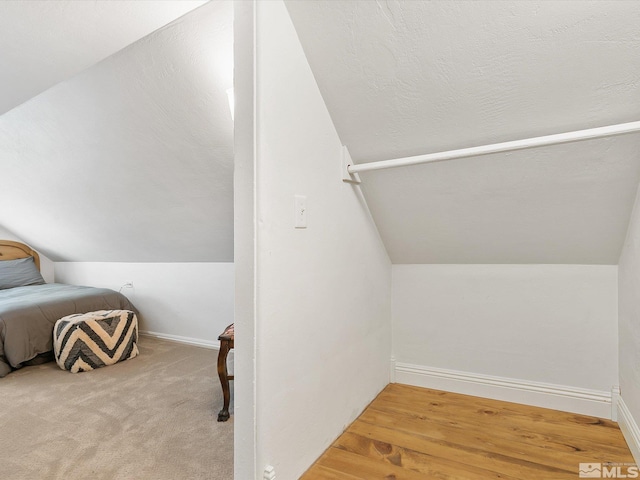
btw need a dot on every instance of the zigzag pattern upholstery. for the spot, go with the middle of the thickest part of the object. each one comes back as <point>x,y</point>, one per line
<point>85,341</point>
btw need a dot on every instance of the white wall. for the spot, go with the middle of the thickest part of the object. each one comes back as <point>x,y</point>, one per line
<point>549,324</point>
<point>629,329</point>
<point>400,80</point>
<point>43,43</point>
<point>322,293</point>
<point>190,302</point>
<point>244,241</point>
<point>133,157</point>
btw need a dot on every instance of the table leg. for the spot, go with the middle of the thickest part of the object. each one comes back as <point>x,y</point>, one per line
<point>223,415</point>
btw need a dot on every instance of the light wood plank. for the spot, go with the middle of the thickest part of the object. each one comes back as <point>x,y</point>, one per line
<point>431,464</point>
<point>602,431</point>
<point>493,441</point>
<point>534,434</point>
<point>365,467</point>
<point>498,413</point>
<point>320,471</point>
<point>416,433</point>
<point>417,396</point>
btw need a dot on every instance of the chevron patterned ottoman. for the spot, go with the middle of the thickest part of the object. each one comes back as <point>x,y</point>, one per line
<point>85,341</point>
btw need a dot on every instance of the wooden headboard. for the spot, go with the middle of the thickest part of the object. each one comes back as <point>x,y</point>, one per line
<point>10,250</point>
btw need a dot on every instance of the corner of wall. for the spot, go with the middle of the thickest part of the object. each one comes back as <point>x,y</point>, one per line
<point>628,338</point>
<point>629,428</point>
<point>632,216</point>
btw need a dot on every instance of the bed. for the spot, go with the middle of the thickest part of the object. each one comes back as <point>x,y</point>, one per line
<point>29,307</point>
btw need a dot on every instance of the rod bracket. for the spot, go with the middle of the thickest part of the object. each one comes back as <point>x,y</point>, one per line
<point>347,176</point>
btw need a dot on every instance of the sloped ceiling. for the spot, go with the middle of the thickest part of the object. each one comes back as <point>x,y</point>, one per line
<point>43,42</point>
<point>130,160</point>
<point>406,78</point>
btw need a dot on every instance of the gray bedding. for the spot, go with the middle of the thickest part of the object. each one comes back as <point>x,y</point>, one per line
<point>28,314</point>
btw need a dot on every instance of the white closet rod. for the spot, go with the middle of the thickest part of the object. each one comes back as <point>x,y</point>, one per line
<point>555,139</point>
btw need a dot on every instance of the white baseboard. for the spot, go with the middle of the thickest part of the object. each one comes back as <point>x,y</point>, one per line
<point>558,397</point>
<point>186,340</point>
<point>629,429</point>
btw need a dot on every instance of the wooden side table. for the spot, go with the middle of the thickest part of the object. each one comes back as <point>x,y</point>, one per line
<point>226,344</point>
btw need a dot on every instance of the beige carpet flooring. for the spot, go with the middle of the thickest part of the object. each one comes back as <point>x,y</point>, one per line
<point>151,417</point>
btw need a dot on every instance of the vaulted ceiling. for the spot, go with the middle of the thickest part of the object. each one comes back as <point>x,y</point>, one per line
<point>405,78</point>
<point>131,159</point>
<point>43,42</point>
<point>125,153</point>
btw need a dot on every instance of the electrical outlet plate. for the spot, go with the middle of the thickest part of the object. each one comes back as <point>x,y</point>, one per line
<point>269,473</point>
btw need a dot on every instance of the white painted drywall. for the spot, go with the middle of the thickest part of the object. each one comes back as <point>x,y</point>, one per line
<point>555,324</point>
<point>46,265</point>
<point>405,78</point>
<point>323,293</point>
<point>244,242</point>
<point>43,42</point>
<point>567,204</point>
<point>131,160</point>
<point>245,225</point>
<point>629,319</point>
<point>190,302</point>
<point>402,78</point>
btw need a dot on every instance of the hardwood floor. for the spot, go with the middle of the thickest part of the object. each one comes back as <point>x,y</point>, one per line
<point>413,433</point>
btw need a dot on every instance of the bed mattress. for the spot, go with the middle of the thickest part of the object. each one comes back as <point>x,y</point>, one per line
<point>28,314</point>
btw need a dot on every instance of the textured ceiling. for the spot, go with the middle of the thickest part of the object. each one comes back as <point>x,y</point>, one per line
<point>132,159</point>
<point>43,42</point>
<point>406,78</point>
<point>564,204</point>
